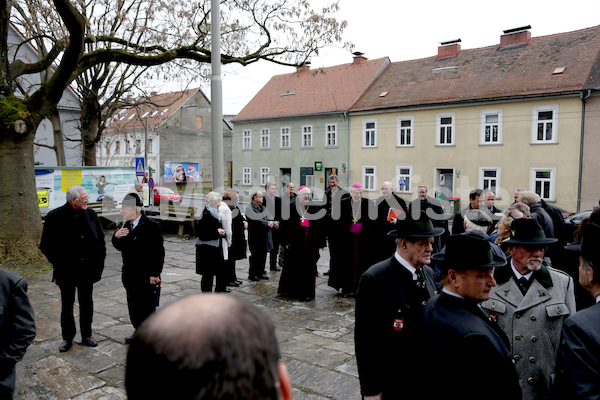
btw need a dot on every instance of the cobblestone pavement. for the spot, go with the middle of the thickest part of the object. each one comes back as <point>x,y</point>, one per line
<point>316,337</point>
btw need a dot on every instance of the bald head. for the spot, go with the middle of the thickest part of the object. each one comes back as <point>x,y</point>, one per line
<point>205,346</point>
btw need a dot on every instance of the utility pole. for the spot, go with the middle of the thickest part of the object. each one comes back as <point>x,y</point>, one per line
<point>216,91</point>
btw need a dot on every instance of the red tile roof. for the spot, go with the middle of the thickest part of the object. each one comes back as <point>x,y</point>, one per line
<point>157,109</point>
<point>313,91</point>
<point>491,73</point>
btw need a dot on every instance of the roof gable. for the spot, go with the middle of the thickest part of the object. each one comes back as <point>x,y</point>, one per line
<point>489,73</point>
<point>313,91</point>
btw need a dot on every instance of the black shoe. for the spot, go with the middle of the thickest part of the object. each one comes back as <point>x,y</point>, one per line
<point>280,263</point>
<point>275,269</point>
<point>89,342</point>
<point>263,276</point>
<point>238,281</point>
<point>233,283</point>
<point>227,291</point>
<point>326,273</point>
<point>129,339</point>
<point>65,346</point>
<point>253,278</point>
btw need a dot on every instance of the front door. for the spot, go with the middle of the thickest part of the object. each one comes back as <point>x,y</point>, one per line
<point>444,189</point>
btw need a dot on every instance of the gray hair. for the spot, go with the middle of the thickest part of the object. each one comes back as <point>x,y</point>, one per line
<point>73,193</point>
<point>521,207</point>
<point>529,198</point>
<point>472,217</point>
<point>389,183</point>
<point>212,198</point>
<point>424,187</point>
<point>333,176</point>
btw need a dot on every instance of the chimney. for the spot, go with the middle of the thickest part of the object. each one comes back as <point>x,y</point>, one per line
<point>303,67</point>
<point>358,57</point>
<point>515,37</point>
<point>448,49</point>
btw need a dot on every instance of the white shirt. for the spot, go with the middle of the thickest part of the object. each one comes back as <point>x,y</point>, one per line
<point>136,222</point>
<point>406,265</point>
<point>518,274</point>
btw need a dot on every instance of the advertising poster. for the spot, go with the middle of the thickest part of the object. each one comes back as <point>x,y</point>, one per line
<point>178,172</point>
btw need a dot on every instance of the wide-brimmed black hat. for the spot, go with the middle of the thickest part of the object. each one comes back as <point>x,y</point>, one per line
<point>589,245</point>
<point>465,252</point>
<point>132,200</point>
<point>525,231</point>
<point>416,228</point>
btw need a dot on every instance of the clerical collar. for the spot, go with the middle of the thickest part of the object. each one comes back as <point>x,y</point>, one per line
<point>518,275</point>
<point>406,265</point>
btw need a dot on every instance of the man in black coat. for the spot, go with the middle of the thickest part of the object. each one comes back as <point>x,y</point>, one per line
<point>73,241</point>
<point>578,363</point>
<point>259,237</point>
<point>386,221</point>
<point>17,327</point>
<point>469,346</point>
<point>435,211</point>
<point>140,242</point>
<point>475,203</point>
<point>333,200</point>
<point>273,205</point>
<point>389,303</point>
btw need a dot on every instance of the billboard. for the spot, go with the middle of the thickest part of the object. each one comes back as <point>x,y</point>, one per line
<point>178,172</point>
<point>110,183</point>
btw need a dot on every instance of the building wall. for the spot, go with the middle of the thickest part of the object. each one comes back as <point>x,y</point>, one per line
<point>590,189</point>
<point>515,156</point>
<point>296,156</point>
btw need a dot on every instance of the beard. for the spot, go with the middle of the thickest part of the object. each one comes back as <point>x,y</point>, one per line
<point>534,263</point>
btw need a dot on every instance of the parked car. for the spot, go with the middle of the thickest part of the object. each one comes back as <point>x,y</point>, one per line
<point>573,221</point>
<point>165,195</point>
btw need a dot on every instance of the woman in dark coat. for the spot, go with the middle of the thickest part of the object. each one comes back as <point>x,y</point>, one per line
<point>237,250</point>
<point>302,235</point>
<point>211,246</point>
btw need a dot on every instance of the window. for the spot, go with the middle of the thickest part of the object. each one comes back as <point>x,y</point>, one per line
<point>445,129</point>
<point>246,143</point>
<point>307,138</point>
<point>543,182</point>
<point>264,175</point>
<point>491,127</point>
<point>404,175</point>
<point>369,172</point>
<point>331,135</point>
<point>370,133</point>
<point>117,147</point>
<point>138,146</point>
<point>149,146</point>
<point>545,124</point>
<point>265,138</point>
<point>127,147</point>
<point>246,176</point>
<point>198,123</point>
<point>285,138</point>
<point>405,131</point>
<point>489,179</point>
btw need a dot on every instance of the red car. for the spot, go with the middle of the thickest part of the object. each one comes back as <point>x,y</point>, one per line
<point>165,195</point>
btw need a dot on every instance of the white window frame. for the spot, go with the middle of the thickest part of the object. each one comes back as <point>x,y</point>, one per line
<point>439,126</point>
<point>369,181</point>
<point>285,132</point>
<point>247,139</point>
<point>552,181</point>
<point>127,146</point>
<point>498,178</point>
<point>331,135</point>
<point>150,151</point>
<point>265,138</point>
<point>246,176</point>
<point>307,137</point>
<point>484,114</point>
<point>408,188</point>
<point>369,136</point>
<point>402,131</point>
<point>264,175</point>
<point>534,128</point>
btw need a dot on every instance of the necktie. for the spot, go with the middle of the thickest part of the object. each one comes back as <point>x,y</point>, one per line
<point>420,277</point>
<point>523,284</point>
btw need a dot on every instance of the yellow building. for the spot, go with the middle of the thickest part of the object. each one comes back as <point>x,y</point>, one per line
<point>501,117</point>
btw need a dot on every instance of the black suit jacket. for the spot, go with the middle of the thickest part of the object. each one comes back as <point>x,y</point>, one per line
<point>470,348</point>
<point>578,364</point>
<point>73,241</point>
<point>143,251</point>
<point>388,323</point>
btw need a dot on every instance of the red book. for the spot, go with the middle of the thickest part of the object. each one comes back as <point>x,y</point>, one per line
<point>393,213</point>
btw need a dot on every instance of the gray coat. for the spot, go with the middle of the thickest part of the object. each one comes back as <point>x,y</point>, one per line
<point>533,323</point>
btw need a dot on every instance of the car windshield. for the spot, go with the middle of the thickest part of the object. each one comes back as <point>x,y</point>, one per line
<point>164,190</point>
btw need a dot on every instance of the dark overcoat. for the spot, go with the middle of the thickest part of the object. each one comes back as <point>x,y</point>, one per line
<point>259,233</point>
<point>73,241</point>
<point>209,258</point>
<point>237,250</point>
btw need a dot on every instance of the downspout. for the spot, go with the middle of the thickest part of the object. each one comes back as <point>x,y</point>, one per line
<point>583,98</point>
<point>345,114</point>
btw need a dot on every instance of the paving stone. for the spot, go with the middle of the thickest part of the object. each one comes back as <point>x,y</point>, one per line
<point>322,381</point>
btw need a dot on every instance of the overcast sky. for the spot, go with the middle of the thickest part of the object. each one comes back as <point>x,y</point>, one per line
<point>407,30</point>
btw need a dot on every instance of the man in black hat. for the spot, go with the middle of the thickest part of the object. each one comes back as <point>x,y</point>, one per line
<point>470,346</point>
<point>530,304</point>
<point>391,296</point>
<point>140,242</point>
<point>578,365</point>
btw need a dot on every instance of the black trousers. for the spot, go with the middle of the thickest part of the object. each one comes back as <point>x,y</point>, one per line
<point>86,309</point>
<point>206,283</point>
<point>257,263</point>
<point>7,380</point>
<point>140,301</point>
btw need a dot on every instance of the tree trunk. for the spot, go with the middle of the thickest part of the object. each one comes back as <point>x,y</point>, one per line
<point>59,146</point>
<point>21,226</point>
<point>90,126</point>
